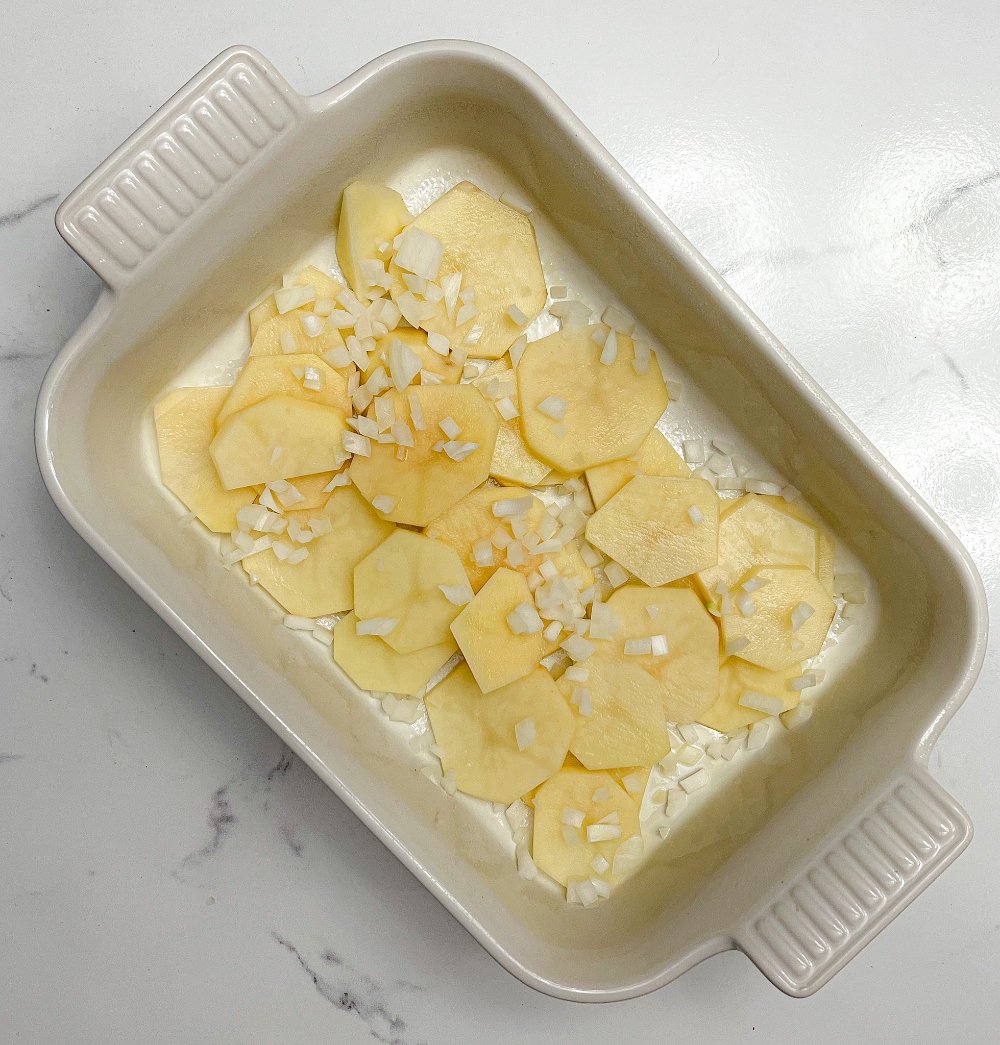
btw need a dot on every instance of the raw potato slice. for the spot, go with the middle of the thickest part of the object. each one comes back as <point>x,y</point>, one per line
<point>324,581</point>
<point>185,425</point>
<point>260,314</point>
<point>689,672</point>
<point>565,858</point>
<point>634,780</point>
<point>755,531</point>
<point>738,677</point>
<point>647,528</point>
<point>311,487</point>
<point>478,733</point>
<point>609,409</point>
<point>372,664</point>
<point>265,376</point>
<point>401,580</point>
<point>626,726</point>
<point>495,655</point>
<point>273,334</point>
<point>325,284</point>
<point>799,509</point>
<point>370,214</point>
<point>450,373</point>
<point>655,457</point>
<point>472,520</point>
<point>494,248</point>
<point>512,461</point>
<point>768,630</point>
<point>428,482</point>
<point>277,438</point>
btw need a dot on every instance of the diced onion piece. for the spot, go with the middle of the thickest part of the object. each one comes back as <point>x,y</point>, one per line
<point>804,681</point>
<point>600,864</point>
<point>618,320</point>
<point>376,626</point>
<point>578,647</point>
<point>571,835</point>
<point>694,451</point>
<point>574,673</point>
<point>506,408</point>
<point>604,622</point>
<point>790,493</point>
<point>297,623</point>
<point>676,800</point>
<point>573,817</point>
<point>404,363</point>
<point>552,630</point>
<point>658,645</point>
<point>617,575</point>
<point>516,350</point>
<point>516,316</point>
<point>638,647</point>
<point>729,483</point>
<point>609,353</point>
<point>457,594</point>
<point>465,314</point>
<point>600,334</point>
<point>758,735</point>
<point>800,614</point>
<point>745,604</point>
<point>450,427</point>
<point>674,390</point>
<point>289,298</point>
<point>762,702</point>
<point>355,443</point>
<point>583,699</point>
<point>652,610</point>
<point>338,356</point>
<point>459,451</point>
<point>759,486</point>
<point>695,515</point>
<point>524,620</point>
<point>525,733</point>
<point>311,324</point>
<point>288,342</point>
<point>438,343</point>
<point>695,781</point>
<point>554,407</point>
<point>511,507</point>
<point>384,503</point>
<point>482,553</point>
<point>717,463</point>
<point>735,644</point>
<point>798,716</point>
<point>603,832</point>
<point>297,556</point>
<point>419,252</point>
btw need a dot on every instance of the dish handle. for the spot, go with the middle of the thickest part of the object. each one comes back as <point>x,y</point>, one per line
<point>852,890</point>
<point>190,150</point>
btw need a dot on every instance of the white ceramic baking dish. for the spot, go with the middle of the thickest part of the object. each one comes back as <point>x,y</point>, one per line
<point>802,858</point>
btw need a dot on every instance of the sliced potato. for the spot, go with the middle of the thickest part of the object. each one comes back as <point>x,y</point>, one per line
<point>479,733</point>
<point>264,376</point>
<point>374,665</point>
<point>609,410</point>
<point>401,580</point>
<point>825,548</point>
<point>416,340</point>
<point>655,457</point>
<point>185,425</point>
<point>324,581</point>
<point>648,528</point>
<point>738,677</point>
<point>626,726</point>
<point>275,335</point>
<point>326,285</point>
<point>564,858</point>
<point>428,482</point>
<point>261,313</point>
<point>495,655</point>
<point>771,641</point>
<point>277,438</point>
<point>370,214</point>
<point>494,248</point>
<point>512,461</point>
<point>689,672</point>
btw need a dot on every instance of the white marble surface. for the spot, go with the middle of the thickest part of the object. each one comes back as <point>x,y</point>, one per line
<point>167,873</point>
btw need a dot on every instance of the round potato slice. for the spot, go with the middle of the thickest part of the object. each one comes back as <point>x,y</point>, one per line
<point>502,744</point>
<point>374,665</point>
<point>761,626</point>
<point>659,529</point>
<point>512,461</point>
<point>655,457</point>
<point>370,214</point>
<point>324,581</point>
<point>562,851</point>
<point>401,580</point>
<point>265,376</point>
<point>688,673</point>
<point>274,334</point>
<point>428,482</point>
<point>415,340</point>
<point>626,726</point>
<point>739,678</point>
<point>609,410</point>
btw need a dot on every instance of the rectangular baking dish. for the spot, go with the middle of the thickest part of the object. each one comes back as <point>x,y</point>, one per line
<point>803,858</point>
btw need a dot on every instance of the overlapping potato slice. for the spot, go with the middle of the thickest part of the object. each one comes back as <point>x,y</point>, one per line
<point>688,673</point>
<point>495,655</point>
<point>739,679</point>
<point>325,285</point>
<point>370,214</point>
<point>324,581</point>
<point>285,335</point>
<point>780,598</point>
<point>659,529</point>
<point>401,580</point>
<point>185,427</point>
<point>277,438</point>
<point>264,376</point>
<point>373,664</point>
<point>608,410</point>
<point>425,482</point>
<point>626,726</point>
<point>493,247</point>
<point>501,744</point>
<point>415,340</point>
<point>655,457</point>
<point>563,851</point>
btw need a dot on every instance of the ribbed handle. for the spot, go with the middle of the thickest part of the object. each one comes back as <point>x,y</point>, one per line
<point>224,119</point>
<point>903,841</point>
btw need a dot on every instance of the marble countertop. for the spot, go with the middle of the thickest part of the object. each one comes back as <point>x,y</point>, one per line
<point>168,872</point>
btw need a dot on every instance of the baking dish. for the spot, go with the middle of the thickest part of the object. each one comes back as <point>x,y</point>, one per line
<point>805,856</point>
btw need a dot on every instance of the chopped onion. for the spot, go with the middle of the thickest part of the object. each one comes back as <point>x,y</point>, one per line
<point>297,623</point>
<point>516,316</point>
<point>800,614</point>
<point>574,673</point>
<point>450,428</point>
<point>798,716</point>
<point>466,314</point>
<point>516,350</point>
<point>603,833</point>
<point>341,319</point>
<point>615,574</point>
<point>506,408</point>
<point>458,451</point>
<point>384,503</point>
<point>674,390</point>
<point>404,363</point>
<point>289,298</point>
<point>652,610</point>
<point>604,622</point>
<point>355,443</point>
<point>457,594</point>
<point>724,446</point>
<point>510,507</point>
<point>482,553</point>
<point>762,702</point>
<point>638,647</point>
<point>633,783</point>
<point>338,356</point>
<point>618,320</point>
<point>578,647</point>
<point>745,604</point>
<point>609,353</point>
<point>600,864</point>
<point>676,800</point>
<point>590,555</point>
<point>734,645</point>
<point>341,479</point>
<point>438,343</point>
<point>552,631</point>
<point>730,484</point>
<point>600,334</point>
<point>525,733</point>
<point>419,252</point>
<point>642,358</point>
<point>717,463</point>
<point>297,556</point>
<point>571,835</point>
<point>583,699</point>
<point>758,735</point>
<point>790,493</point>
<point>695,515</point>
<point>759,486</point>
<point>694,451</point>
<point>288,342</point>
<point>516,554</point>
<point>573,817</point>
<point>554,407</point>
<point>695,781</point>
<point>804,681</point>
<point>658,645</point>
<point>376,626</point>
<point>524,620</point>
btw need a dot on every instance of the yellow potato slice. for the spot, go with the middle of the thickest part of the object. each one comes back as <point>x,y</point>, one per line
<point>479,733</point>
<point>770,640</point>
<point>564,858</point>
<point>277,438</point>
<point>472,520</point>
<point>626,726</point>
<point>738,678</point>
<point>265,376</point>
<point>428,482</point>
<point>324,581</point>
<point>495,655</point>
<point>326,287</point>
<point>512,461</point>
<point>655,457</point>
<point>756,531</point>
<point>689,672</point>
<point>647,527</point>
<point>825,548</point>
<point>370,214</point>
<point>374,665</point>
<point>634,780</point>
<point>274,335</point>
<point>400,580</point>
<point>494,248</point>
<point>609,409</point>
<point>261,313</point>
<point>185,425</point>
<point>449,372</point>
